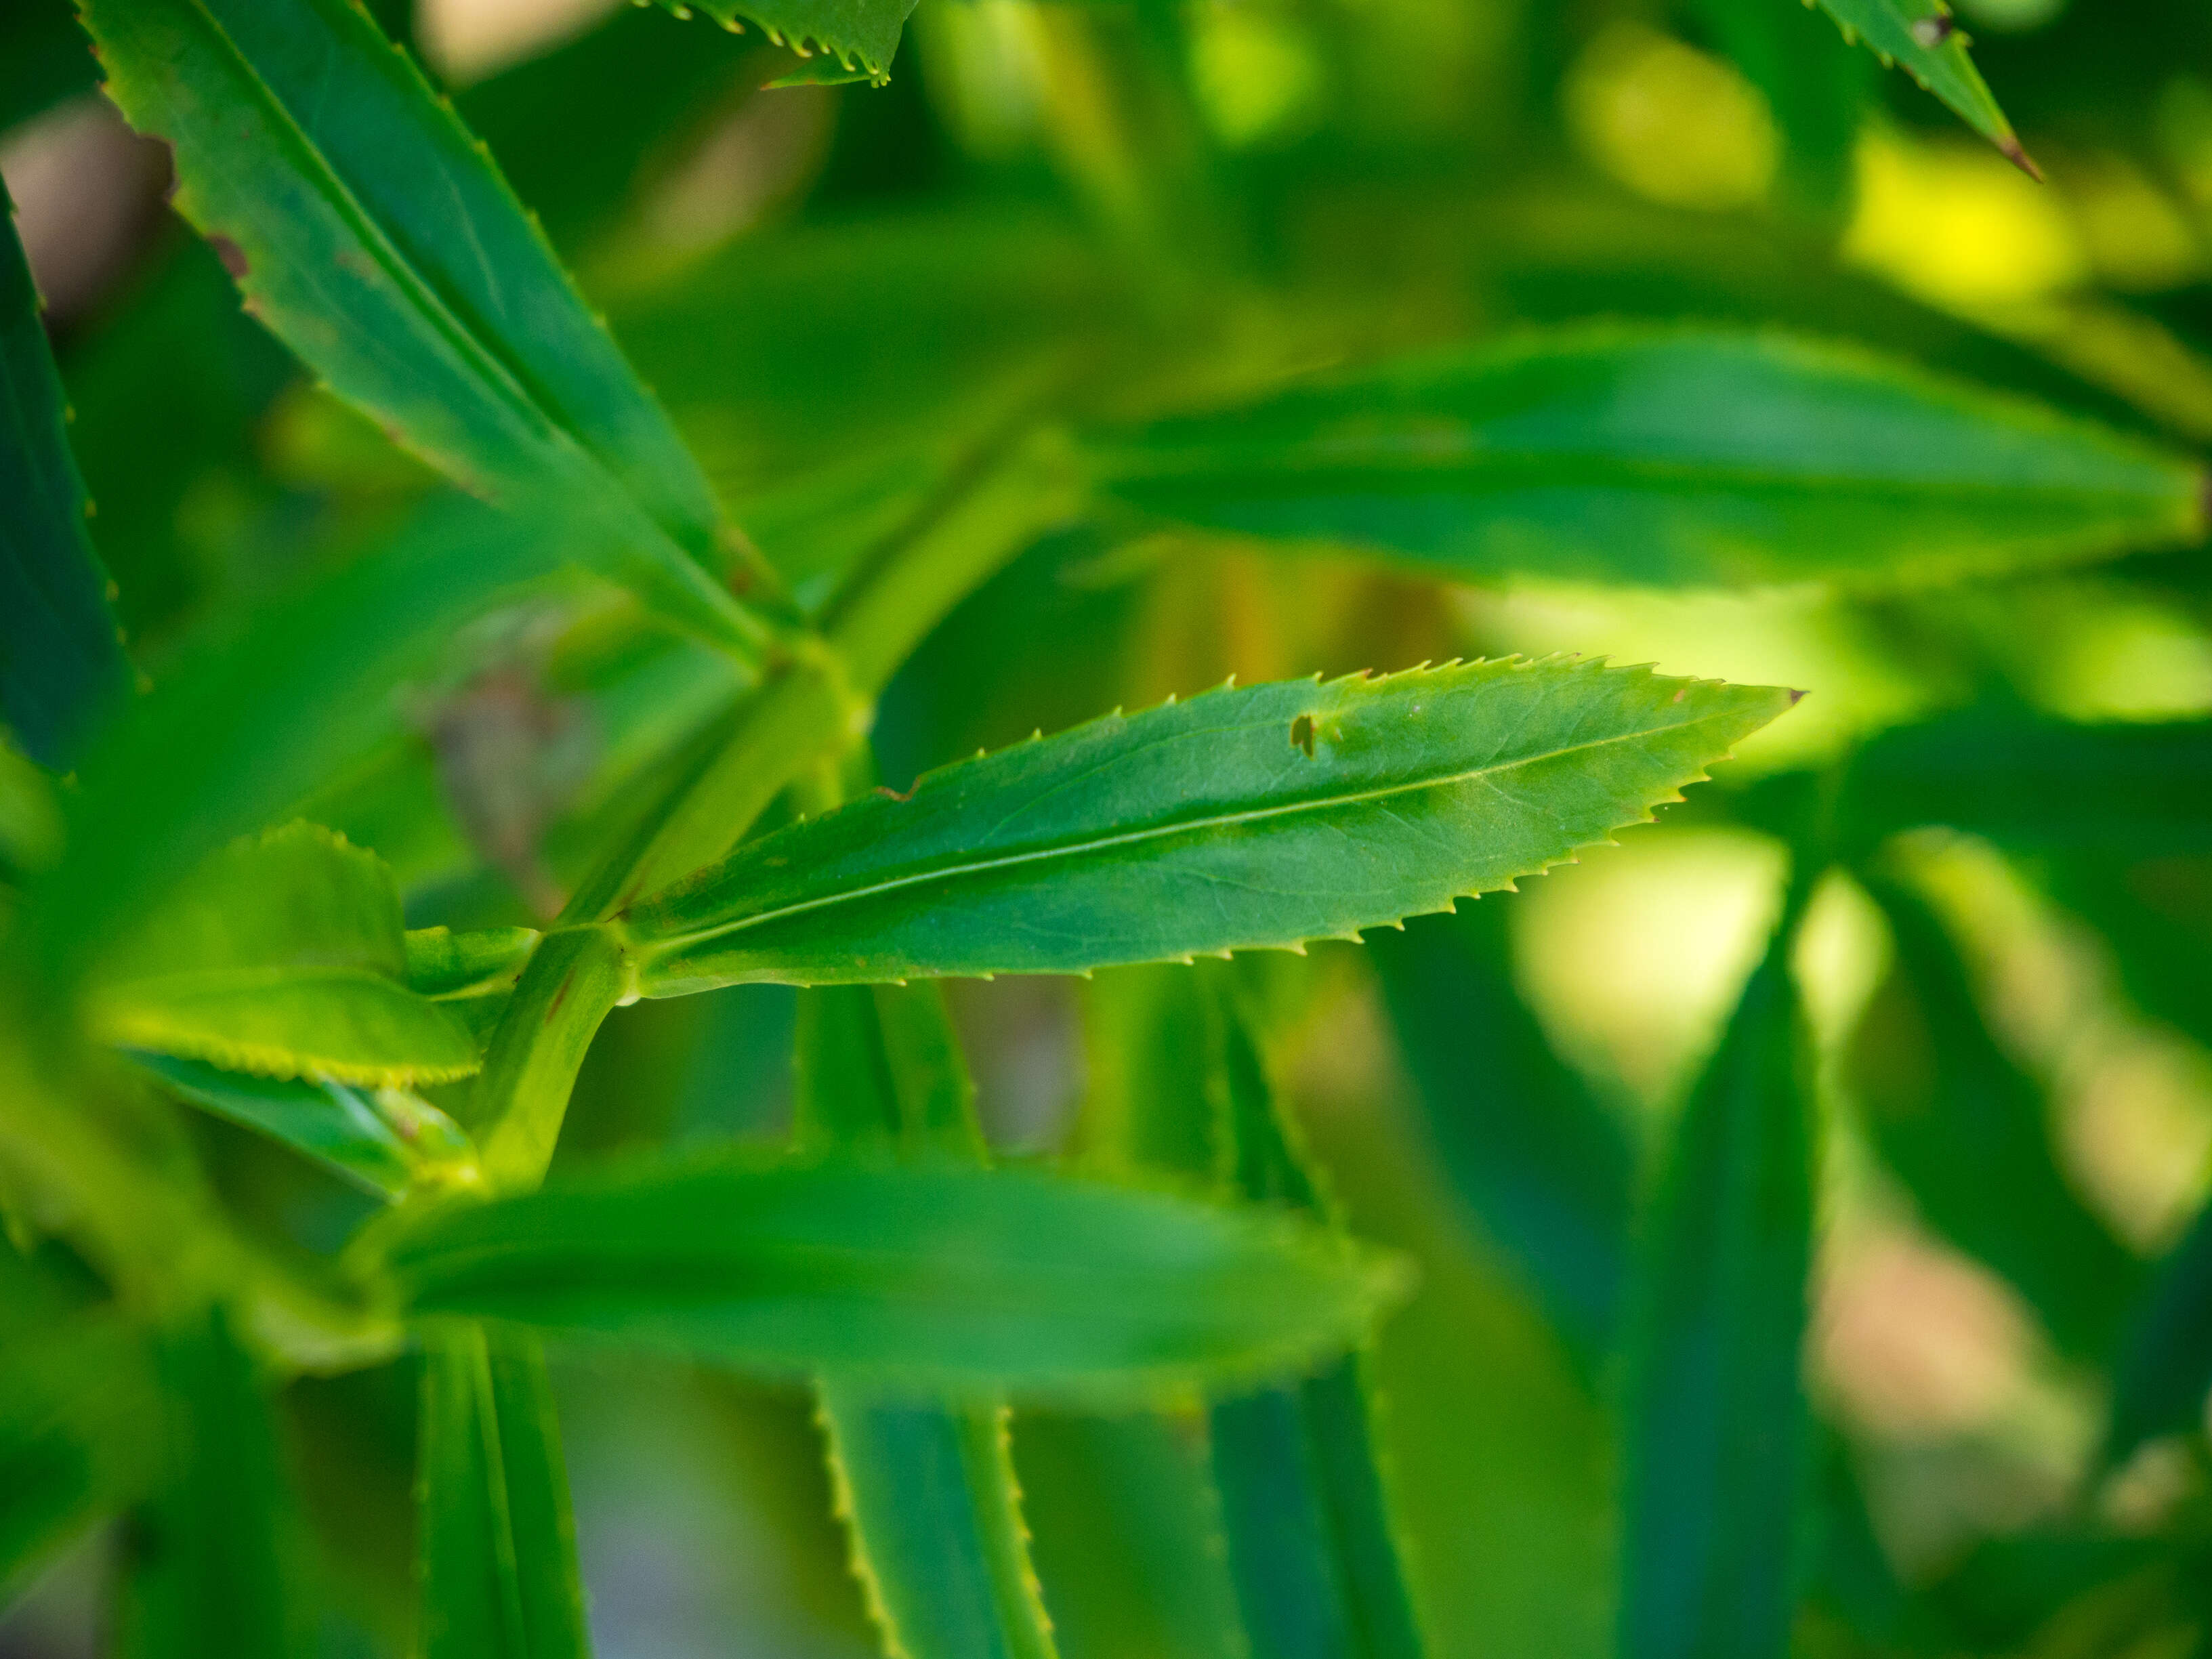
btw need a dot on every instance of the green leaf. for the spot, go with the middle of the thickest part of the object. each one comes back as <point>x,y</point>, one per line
<point>1715,1417</point>
<point>371,234</point>
<point>43,58</point>
<point>61,663</point>
<point>1673,458</point>
<point>928,1488</point>
<point>385,1143</point>
<point>1545,1167</point>
<point>212,1566</point>
<point>496,1551</point>
<point>856,33</point>
<point>78,1422</point>
<point>1970,1135</point>
<point>1242,819</point>
<point>1920,38</point>
<point>2164,1366</point>
<point>951,1279</point>
<point>440,962</point>
<point>282,956</point>
<point>1814,85</point>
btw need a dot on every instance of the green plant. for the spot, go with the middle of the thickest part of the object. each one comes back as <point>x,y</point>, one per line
<point>314,948</point>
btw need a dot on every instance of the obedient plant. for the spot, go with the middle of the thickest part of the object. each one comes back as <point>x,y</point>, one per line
<point>291,908</point>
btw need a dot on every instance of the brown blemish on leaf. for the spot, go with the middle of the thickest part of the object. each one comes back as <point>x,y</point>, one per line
<point>560,996</point>
<point>233,257</point>
<point>1301,734</point>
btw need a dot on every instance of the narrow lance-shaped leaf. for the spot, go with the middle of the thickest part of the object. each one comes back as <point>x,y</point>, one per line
<point>61,664</point>
<point>210,1568</point>
<point>926,1488</point>
<point>862,36</point>
<point>1920,38</point>
<point>497,1548</point>
<point>1546,1168</point>
<point>282,956</point>
<point>1970,1135</point>
<point>936,1279</point>
<point>1243,818</point>
<point>1715,1416</point>
<point>373,234</point>
<point>1311,1539</point>
<point>1663,458</point>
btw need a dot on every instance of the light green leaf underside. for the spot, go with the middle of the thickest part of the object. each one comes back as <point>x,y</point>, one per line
<point>1205,826</point>
<point>1667,458</point>
<point>496,1551</point>
<point>282,956</point>
<point>385,1141</point>
<point>936,1279</point>
<point>926,1488</point>
<point>373,234</point>
<point>857,34</point>
<point>440,962</point>
<point>1918,36</point>
<point>1714,1412</point>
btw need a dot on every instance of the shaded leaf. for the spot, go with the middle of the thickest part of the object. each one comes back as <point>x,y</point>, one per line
<point>929,1278</point>
<point>1675,457</point>
<point>1970,1135</point>
<point>2164,1370</point>
<point>1242,819</point>
<point>371,234</point>
<point>1715,1419</point>
<point>43,58</point>
<point>61,664</point>
<point>853,32</point>
<point>1920,38</point>
<point>440,962</point>
<point>282,956</point>
<point>496,1552</point>
<point>1547,1169</point>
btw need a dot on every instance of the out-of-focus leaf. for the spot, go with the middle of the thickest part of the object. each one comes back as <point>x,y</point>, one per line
<point>210,1567</point>
<point>862,34</point>
<point>61,664</point>
<point>928,1488</point>
<point>1310,1538</point>
<point>384,1143</point>
<point>440,962</point>
<point>1545,1167</point>
<point>373,234</point>
<point>78,1423</point>
<point>43,58</point>
<point>1242,819</point>
<point>1919,36</point>
<point>282,956</point>
<point>941,1279</point>
<point>2165,1365</point>
<point>2155,915</point>
<point>1969,1133</point>
<point>1715,1419</point>
<point>497,1545</point>
<point>1682,457</point>
<point>253,720</point>
<point>1813,85</point>
<point>30,817</point>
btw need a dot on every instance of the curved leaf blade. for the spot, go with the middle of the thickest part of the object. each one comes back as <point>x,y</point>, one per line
<point>61,661</point>
<point>373,236</point>
<point>1664,457</point>
<point>497,1549</point>
<point>1243,818</point>
<point>937,1279</point>
<point>1920,38</point>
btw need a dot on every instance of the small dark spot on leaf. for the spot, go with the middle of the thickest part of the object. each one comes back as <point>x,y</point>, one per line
<point>1681,694</point>
<point>560,997</point>
<point>1301,734</point>
<point>1932,32</point>
<point>233,257</point>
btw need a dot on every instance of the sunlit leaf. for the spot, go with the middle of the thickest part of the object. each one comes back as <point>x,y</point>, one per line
<point>1242,819</point>
<point>927,1278</point>
<point>1665,458</point>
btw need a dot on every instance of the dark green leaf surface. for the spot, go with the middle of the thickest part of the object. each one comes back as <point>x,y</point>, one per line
<point>1715,1419</point>
<point>79,1421</point>
<point>1242,819</point>
<point>2165,1367</point>
<point>497,1547</point>
<point>372,235</point>
<point>1664,458</point>
<point>862,34</point>
<point>1920,38</point>
<point>61,666</point>
<point>1545,1167</point>
<point>922,1278</point>
<point>211,1569</point>
<point>1970,1136</point>
<point>43,58</point>
<point>282,956</point>
<point>383,1142</point>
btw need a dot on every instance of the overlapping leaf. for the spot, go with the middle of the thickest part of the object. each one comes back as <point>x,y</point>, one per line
<point>941,1279</point>
<point>282,956</point>
<point>61,666</point>
<point>1677,458</point>
<point>1242,819</point>
<point>861,35</point>
<point>371,234</point>
<point>1920,37</point>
